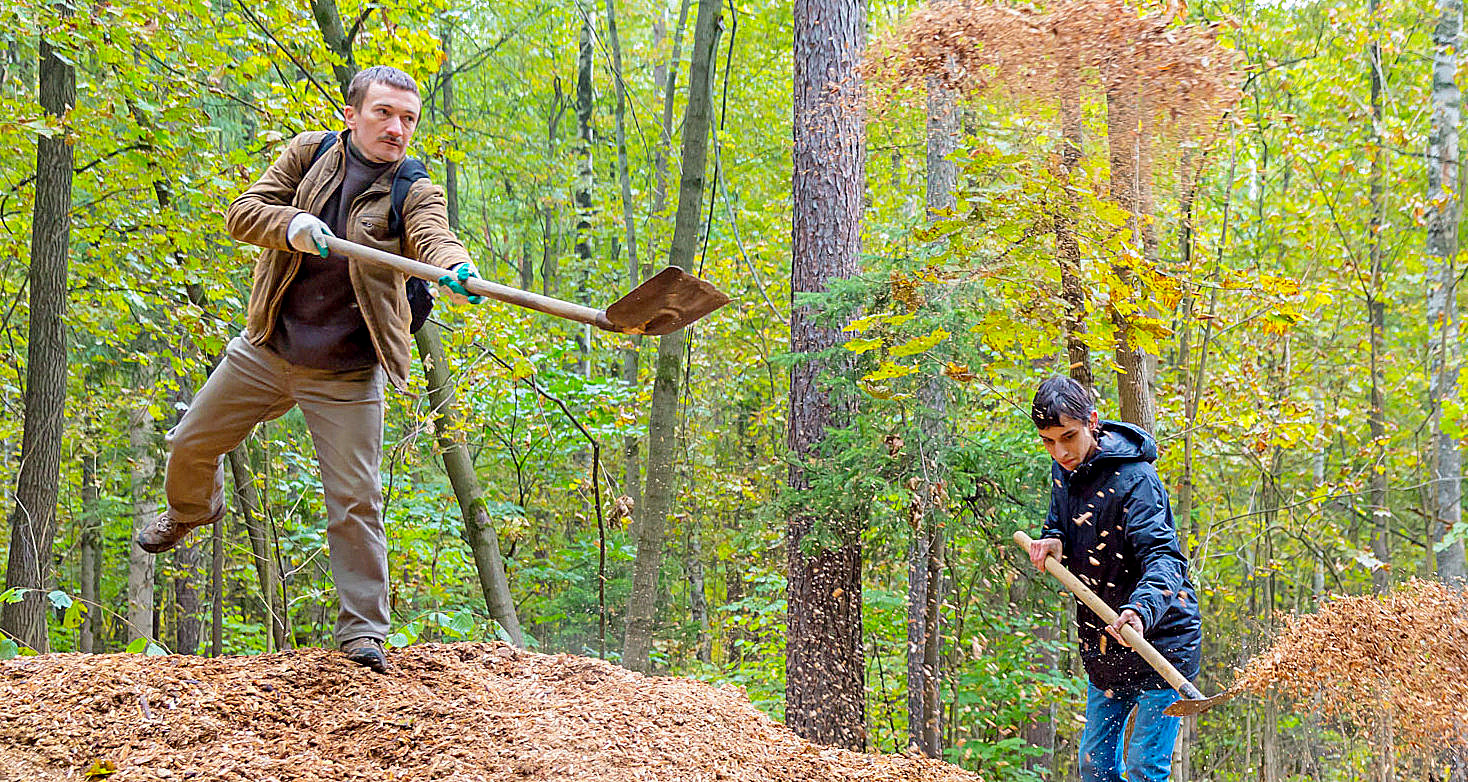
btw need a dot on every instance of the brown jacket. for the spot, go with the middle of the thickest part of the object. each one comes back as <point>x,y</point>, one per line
<point>261,214</point>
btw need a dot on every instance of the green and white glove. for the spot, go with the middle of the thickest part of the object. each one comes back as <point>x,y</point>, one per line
<point>307,234</point>
<point>453,282</point>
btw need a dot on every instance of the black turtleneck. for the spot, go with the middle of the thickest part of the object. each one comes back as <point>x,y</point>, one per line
<point>320,324</point>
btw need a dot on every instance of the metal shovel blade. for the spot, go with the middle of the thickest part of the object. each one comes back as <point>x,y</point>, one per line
<point>1188,707</point>
<point>668,301</point>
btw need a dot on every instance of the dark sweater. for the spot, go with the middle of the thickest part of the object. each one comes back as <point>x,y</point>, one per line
<point>320,325</point>
<point>1114,521</point>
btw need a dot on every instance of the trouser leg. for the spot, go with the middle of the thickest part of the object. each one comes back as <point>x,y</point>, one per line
<point>344,412</point>
<point>246,388</point>
<point>1149,758</point>
<point>1100,751</point>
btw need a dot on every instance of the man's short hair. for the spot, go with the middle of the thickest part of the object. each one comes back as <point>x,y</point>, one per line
<point>1060,396</point>
<point>377,74</point>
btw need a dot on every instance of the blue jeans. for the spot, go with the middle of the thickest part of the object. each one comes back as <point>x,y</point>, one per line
<point>1150,755</point>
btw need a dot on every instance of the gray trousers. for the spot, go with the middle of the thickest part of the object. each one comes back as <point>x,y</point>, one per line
<point>343,410</point>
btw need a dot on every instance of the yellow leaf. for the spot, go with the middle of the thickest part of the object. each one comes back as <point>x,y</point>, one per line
<point>860,345</point>
<point>922,344</point>
<point>888,371</point>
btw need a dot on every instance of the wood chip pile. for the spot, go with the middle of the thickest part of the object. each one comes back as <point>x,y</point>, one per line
<point>449,712</point>
<point>1400,660</point>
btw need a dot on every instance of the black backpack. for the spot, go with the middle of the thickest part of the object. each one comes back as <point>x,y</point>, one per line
<point>420,301</point>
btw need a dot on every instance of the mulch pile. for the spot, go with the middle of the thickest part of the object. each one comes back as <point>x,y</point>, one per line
<point>1399,660</point>
<point>451,712</point>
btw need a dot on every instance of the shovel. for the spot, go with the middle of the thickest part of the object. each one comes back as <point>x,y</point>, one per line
<point>666,302</point>
<point>1193,701</point>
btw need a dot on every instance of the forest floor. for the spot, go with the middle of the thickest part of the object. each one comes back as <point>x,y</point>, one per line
<point>470,711</point>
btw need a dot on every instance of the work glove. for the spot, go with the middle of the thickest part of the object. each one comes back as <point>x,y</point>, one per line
<point>454,281</point>
<point>307,234</point>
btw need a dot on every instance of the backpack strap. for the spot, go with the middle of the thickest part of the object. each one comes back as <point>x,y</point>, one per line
<point>411,170</point>
<point>322,146</point>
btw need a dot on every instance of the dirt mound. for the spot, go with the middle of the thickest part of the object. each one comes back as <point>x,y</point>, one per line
<point>453,712</point>
<point>1397,661</point>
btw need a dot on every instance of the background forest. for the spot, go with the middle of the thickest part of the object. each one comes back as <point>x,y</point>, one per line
<point>1239,222</point>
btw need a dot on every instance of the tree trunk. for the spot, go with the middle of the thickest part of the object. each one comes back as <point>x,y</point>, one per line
<point>925,552</point>
<point>824,693</point>
<point>1134,383</point>
<point>329,21</point>
<point>216,591</point>
<point>450,168</point>
<point>188,564</point>
<point>585,183</point>
<point>663,417</point>
<point>143,467</point>
<point>1376,317</point>
<point>91,556</point>
<point>479,530</point>
<point>267,566</point>
<point>1067,244</point>
<point>1444,208</point>
<point>632,484</point>
<point>698,605</point>
<point>33,522</point>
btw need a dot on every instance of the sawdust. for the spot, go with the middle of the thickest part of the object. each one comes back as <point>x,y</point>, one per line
<point>1398,661</point>
<point>450,712</point>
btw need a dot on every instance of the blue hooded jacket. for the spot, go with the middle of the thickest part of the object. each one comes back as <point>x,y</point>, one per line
<point>1114,522</point>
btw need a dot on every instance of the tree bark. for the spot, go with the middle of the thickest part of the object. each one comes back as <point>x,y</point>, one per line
<point>824,692</point>
<point>585,184</point>
<point>267,566</point>
<point>630,469</point>
<point>698,605</point>
<point>663,417</point>
<point>216,591</point>
<point>91,556</point>
<point>1067,244</point>
<point>188,564</point>
<point>140,571</point>
<point>329,21</point>
<point>33,522</point>
<point>925,551</point>
<point>1134,384</point>
<point>1376,319</point>
<point>450,168</point>
<point>479,530</point>
<point>1444,209</point>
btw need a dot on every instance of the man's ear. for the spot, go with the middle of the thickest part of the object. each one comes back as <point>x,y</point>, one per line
<point>1095,423</point>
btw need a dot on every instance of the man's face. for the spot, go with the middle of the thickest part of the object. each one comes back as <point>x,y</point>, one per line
<point>1071,442</point>
<point>384,125</point>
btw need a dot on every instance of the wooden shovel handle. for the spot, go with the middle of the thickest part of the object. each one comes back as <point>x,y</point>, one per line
<point>1139,644</point>
<point>504,293</point>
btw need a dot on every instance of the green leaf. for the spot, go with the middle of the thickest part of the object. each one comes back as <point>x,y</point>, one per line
<point>59,600</point>
<point>462,623</point>
<point>398,641</point>
<point>922,344</point>
<point>74,615</point>
<point>154,650</point>
<point>138,646</point>
<point>13,595</point>
<point>8,649</point>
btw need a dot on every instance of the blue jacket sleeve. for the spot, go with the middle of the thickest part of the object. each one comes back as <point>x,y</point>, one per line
<point>1153,540</point>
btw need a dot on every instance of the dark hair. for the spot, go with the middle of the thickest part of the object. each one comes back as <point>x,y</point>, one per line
<point>1060,396</point>
<point>377,74</point>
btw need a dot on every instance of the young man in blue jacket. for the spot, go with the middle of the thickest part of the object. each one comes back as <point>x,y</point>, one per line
<point>1111,524</point>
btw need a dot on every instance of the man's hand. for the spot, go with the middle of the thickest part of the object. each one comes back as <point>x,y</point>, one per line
<point>1127,617</point>
<point>1040,549</point>
<point>453,282</point>
<point>307,234</point>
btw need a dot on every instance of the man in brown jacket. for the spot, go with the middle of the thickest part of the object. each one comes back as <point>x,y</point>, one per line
<point>324,333</point>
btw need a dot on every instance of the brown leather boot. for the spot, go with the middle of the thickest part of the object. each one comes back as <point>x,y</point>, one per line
<point>164,533</point>
<point>366,651</point>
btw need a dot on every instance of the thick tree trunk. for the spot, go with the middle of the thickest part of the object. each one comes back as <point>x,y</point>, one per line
<point>824,692</point>
<point>479,530</point>
<point>188,574</point>
<point>1376,319</point>
<point>143,467</point>
<point>33,522</point>
<point>267,566</point>
<point>1134,382</point>
<point>1444,209</point>
<point>90,566</point>
<point>663,418</point>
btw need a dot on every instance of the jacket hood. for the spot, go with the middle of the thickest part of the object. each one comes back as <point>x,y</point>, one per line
<point>1121,442</point>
